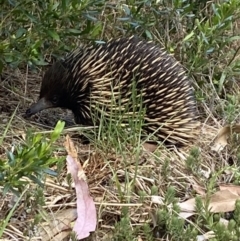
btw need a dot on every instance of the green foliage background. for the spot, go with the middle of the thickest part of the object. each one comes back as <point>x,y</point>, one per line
<point>35,32</point>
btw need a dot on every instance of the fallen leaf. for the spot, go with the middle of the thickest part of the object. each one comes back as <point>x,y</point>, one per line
<point>188,206</point>
<point>157,199</point>
<point>198,189</point>
<point>71,150</point>
<point>221,139</point>
<point>224,222</point>
<point>186,215</point>
<point>206,236</point>
<point>232,188</point>
<point>221,201</point>
<point>58,226</point>
<point>86,210</point>
<point>139,238</point>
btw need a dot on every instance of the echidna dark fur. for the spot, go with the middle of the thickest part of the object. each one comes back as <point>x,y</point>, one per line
<point>89,78</point>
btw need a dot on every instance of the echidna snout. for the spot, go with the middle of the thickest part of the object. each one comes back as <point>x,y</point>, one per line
<point>99,79</point>
<point>42,104</point>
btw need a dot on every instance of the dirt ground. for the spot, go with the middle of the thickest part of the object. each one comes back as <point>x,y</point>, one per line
<point>20,88</point>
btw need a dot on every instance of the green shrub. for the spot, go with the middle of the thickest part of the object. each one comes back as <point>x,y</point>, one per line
<point>31,160</point>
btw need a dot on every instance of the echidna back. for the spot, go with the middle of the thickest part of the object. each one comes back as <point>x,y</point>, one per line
<point>98,80</point>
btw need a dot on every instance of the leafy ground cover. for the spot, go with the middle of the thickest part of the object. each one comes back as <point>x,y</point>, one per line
<point>137,192</point>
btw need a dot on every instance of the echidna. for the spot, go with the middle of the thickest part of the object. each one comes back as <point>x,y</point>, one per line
<point>89,79</point>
